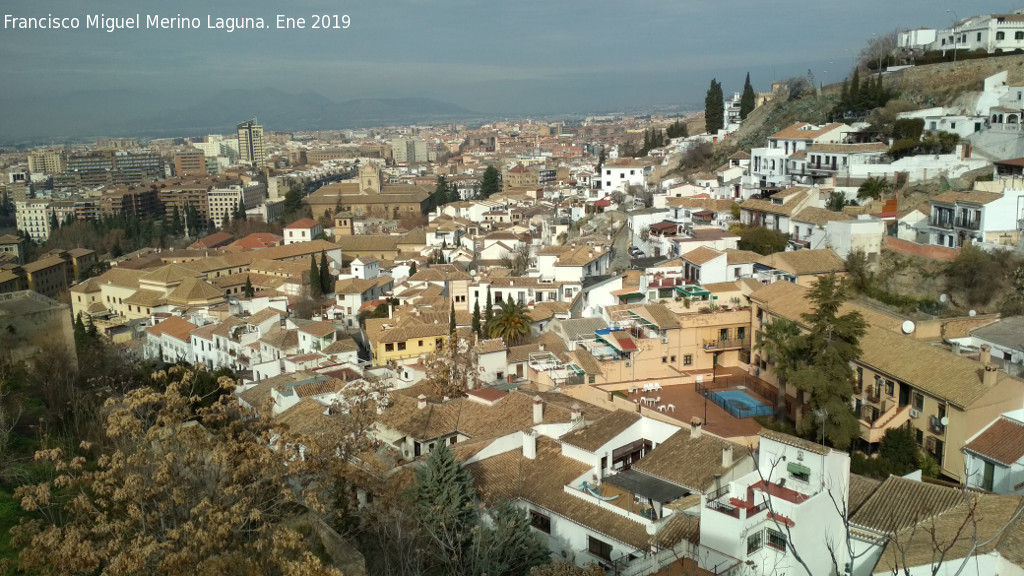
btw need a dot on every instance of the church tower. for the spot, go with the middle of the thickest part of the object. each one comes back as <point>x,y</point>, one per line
<point>369,179</point>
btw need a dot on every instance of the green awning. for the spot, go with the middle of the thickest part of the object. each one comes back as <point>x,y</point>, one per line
<point>798,469</point>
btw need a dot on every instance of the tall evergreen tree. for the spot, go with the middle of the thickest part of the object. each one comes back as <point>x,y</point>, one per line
<point>443,502</point>
<point>325,275</point>
<point>315,290</point>
<point>440,196</point>
<point>490,182</point>
<point>249,291</point>
<point>714,108</point>
<point>830,345</point>
<point>748,101</point>
<point>451,320</point>
<point>412,268</point>
<point>856,97</point>
<point>54,223</point>
<point>488,308</point>
<point>476,317</point>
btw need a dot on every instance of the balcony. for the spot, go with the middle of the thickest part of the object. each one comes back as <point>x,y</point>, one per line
<point>728,344</point>
<point>944,223</point>
<point>894,417</point>
<point>936,426</point>
<point>968,224</point>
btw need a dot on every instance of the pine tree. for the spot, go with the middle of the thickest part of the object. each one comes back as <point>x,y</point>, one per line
<point>325,275</point>
<point>441,192</point>
<point>490,183</point>
<point>828,348</point>
<point>476,317</point>
<point>714,108</point>
<point>748,101</point>
<point>314,278</point>
<point>443,502</point>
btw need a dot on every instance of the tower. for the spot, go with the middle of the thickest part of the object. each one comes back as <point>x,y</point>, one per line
<point>250,144</point>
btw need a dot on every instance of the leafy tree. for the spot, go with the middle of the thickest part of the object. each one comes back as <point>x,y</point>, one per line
<point>452,370</point>
<point>315,288</point>
<point>563,568</point>
<point>860,277</point>
<point>714,108</point>
<point>976,274</point>
<point>180,490</point>
<point>873,188</point>
<point>829,347</point>
<point>490,182</point>
<point>249,291</point>
<point>836,201</point>
<point>899,448</point>
<point>748,101</point>
<point>511,323</point>
<point>762,240</point>
<point>908,128</point>
<point>293,201</point>
<point>476,317</point>
<point>326,286</point>
<point>677,130</point>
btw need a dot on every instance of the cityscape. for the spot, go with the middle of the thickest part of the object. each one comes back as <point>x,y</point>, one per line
<point>771,323</point>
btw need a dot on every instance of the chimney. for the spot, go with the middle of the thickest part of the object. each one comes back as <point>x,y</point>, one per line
<point>421,402</point>
<point>986,354</point>
<point>541,347</point>
<point>991,374</point>
<point>727,456</point>
<point>538,410</point>
<point>955,348</point>
<point>391,311</point>
<point>695,424</point>
<point>530,444</point>
<point>577,413</point>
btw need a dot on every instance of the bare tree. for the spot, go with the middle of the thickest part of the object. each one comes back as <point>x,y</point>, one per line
<point>878,49</point>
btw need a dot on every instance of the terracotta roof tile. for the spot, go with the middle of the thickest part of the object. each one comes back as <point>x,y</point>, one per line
<point>1002,442</point>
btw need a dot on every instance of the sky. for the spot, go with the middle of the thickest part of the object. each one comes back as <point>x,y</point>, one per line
<point>526,57</point>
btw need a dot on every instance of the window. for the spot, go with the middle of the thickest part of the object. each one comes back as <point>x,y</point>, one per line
<point>741,332</point>
<point>672,359</point>
<point>389,347</point>
<point>799,472</point>
<point>664,359</point>
<point>918,401</point>
<point>454,439</point>
<point>438,343</point>
<point>687,359</point>
<point>401,346</point>
<point>890,387</point>
<point>1000,35</point>
<point>919,437</point>
<point>598,548</point>
<point>776,539</point>
<point>591,379</point>
<point>1016,36</point>
<point>723,334</point>
<point>754,542</point>
<point>540,521</point>
<point>421,343</point>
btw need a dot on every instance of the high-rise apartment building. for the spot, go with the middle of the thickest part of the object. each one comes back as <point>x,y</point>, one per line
<point>190,162</point>
<point>47,162</point>
<point>250,144</point>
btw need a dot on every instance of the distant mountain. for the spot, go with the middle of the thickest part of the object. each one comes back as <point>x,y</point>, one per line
<point>121,113</point>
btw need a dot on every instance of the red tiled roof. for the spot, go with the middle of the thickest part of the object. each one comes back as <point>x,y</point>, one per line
<point>177,328</point>
<point>1003,442</point>
<point>488,394</point>
<point>627,343</point>
<point>305,223</point>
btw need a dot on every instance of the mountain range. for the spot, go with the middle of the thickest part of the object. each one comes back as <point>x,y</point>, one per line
<point>114,113</point>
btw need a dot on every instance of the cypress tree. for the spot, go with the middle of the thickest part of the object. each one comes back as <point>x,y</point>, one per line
<point>488,313</point>
<point>249,291</point>
<point>451,320</point>
<point>749,99</point>
<point>314,278</point>
<point>325,274</point>
<point>476,317</point>
<point>714,108</point>
<point>412,268</point>
<point>856,98</point>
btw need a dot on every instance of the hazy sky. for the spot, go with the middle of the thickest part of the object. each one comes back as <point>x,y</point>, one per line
<point>491,56</point>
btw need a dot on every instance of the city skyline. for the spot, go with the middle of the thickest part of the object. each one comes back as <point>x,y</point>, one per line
<point>492,60</point>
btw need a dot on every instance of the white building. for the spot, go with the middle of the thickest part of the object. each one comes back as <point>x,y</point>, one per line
<point>621,173</point>
<point>304,230</point>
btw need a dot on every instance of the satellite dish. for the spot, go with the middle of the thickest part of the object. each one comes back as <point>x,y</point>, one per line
<point>943,298</point>
<point>908,327</point>
<point>945,421</point>
<point>972,313</point>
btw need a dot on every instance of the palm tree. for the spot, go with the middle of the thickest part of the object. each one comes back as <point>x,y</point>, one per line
<point>511,323</point>
<point>777,344</point>
<point>873,188</point>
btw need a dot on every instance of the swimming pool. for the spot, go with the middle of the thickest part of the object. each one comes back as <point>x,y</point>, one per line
<point>740,404</point>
